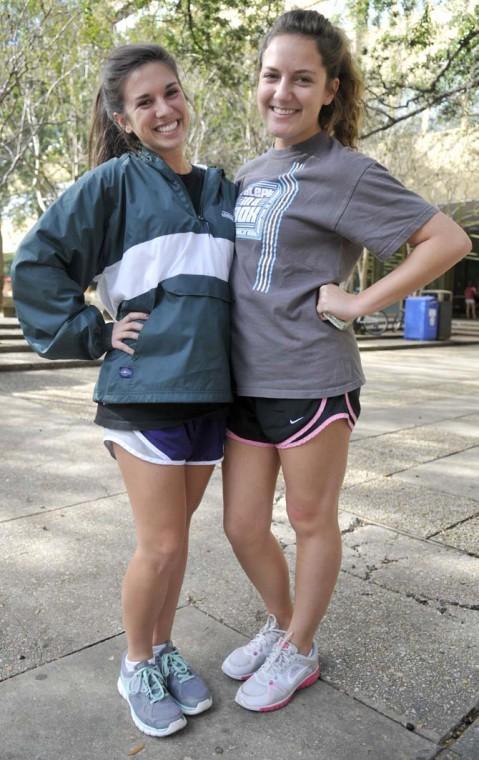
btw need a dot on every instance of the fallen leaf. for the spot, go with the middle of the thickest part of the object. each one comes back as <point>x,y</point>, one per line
<point>136,749</point>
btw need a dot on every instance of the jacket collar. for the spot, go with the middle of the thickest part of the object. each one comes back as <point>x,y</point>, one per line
<point>213,175</point>
<point>149,157</point>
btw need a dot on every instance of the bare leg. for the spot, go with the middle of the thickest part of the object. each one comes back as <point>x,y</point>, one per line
<point>314,474</point>
<point>470,310</point>
<point>158,499</point>
<point>196,480</point>
<point>249,479</point>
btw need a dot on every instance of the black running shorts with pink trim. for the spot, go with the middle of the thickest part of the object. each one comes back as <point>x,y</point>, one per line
<point>284,422</point>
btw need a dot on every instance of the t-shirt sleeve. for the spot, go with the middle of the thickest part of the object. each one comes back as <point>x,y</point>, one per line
<point>381,213</point>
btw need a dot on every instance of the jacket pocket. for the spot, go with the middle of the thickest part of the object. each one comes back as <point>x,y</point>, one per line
<point>198,285</point>
<point>191,315</point>
<point>182,353</point>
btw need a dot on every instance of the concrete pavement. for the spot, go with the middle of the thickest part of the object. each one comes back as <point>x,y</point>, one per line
<point>399,646</point>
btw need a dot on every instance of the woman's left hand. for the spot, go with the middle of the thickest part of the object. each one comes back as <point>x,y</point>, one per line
<point>334,300</point>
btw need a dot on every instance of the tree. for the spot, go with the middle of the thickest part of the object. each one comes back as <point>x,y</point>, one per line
<point>41,94</point>
<point>417,56</point>
<point>52,53</point>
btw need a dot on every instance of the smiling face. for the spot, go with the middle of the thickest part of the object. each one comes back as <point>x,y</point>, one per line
<point>156,111</point>
<point>293,87</point>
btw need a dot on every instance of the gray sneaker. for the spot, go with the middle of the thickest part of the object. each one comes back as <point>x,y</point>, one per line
<point>152,709</point>
<point>185,686</point>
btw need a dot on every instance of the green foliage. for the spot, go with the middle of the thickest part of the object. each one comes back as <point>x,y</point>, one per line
<point>424,56</point>
<point>53,49</point>
<point>44,96</point>
<point>47,90</point>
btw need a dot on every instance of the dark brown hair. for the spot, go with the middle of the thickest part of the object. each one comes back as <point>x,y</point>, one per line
<point>342,117</point>
<point>107,139</point>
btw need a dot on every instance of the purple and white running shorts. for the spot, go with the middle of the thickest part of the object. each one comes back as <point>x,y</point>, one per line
<point>197,441</point>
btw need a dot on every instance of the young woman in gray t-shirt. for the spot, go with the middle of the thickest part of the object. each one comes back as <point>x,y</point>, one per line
<point>306,209</point>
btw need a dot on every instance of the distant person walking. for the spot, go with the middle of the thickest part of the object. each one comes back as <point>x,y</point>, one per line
<point>470,294</point>
<point>306,209</point>
<point>157,234</point>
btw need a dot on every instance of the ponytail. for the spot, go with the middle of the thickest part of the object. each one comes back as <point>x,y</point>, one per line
<point>107,139</point>
<point>342,117</point>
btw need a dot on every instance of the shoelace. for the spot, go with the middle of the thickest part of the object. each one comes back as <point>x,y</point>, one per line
<point>278,657</point>
<point>149,681</point>
<point>261,638</point>
<point>173,662</point>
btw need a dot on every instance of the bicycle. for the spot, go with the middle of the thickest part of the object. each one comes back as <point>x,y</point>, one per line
<point>374,324</point>
<point>371,324</point>
<point>398,321</point>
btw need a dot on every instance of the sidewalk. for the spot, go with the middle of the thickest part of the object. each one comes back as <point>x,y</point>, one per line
<point>399,646</point>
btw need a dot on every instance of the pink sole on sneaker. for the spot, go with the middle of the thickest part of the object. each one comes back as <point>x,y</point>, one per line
<point>303,685</point>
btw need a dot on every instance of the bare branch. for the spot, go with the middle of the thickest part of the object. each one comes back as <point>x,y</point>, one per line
<point>432,102</point>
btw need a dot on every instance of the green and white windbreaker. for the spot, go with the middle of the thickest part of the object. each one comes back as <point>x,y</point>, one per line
<point>130,225</point>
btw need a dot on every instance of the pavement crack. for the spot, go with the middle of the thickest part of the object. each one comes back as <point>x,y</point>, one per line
<point>453,525</point>
<point>473,607</point>
<point>461,726</point>
<point>376,476</point>
<point>48,661</point>
<point>396,532</point>
<point>433,459</point>
<point>59,509</point>
<point>370,569</point>
<point>441,605</point>
<point>419,599</point>
<point>381,710</point>
<point>356,523</point>
<point>358,441</point>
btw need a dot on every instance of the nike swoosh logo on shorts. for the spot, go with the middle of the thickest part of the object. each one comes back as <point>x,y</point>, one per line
<point>292,422</point>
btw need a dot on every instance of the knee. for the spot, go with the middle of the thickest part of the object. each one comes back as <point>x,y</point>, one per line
<point>243,533</point>
<point>312,517</point>
<point>161,556</point>
<point>235,529</point>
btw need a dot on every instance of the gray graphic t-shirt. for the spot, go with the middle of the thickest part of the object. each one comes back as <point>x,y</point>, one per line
<point>302,218</point>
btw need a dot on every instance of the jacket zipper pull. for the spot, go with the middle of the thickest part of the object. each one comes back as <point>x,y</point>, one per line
<point>206,223</point>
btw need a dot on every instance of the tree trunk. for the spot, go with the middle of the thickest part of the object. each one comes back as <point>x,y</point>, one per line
<point>2,264</point>
<point>363,265</point>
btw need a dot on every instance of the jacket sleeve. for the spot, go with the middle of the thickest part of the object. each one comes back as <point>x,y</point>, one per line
<point>54,265</point>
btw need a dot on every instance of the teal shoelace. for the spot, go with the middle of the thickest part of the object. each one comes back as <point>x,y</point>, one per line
<point>173,662</point>
<point>149,681</point>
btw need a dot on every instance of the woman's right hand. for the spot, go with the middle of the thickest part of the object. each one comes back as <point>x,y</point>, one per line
<point>127,328</point>
<point>336,301</point>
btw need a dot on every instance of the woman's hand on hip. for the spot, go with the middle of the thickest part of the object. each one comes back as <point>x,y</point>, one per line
<point>128,327</point>
<point>334,300</point>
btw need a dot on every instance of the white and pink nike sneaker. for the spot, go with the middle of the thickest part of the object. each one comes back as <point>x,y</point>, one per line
<point>284,672</point>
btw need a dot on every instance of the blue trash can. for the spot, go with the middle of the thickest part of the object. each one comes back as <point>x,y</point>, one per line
<point>421,318</point>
